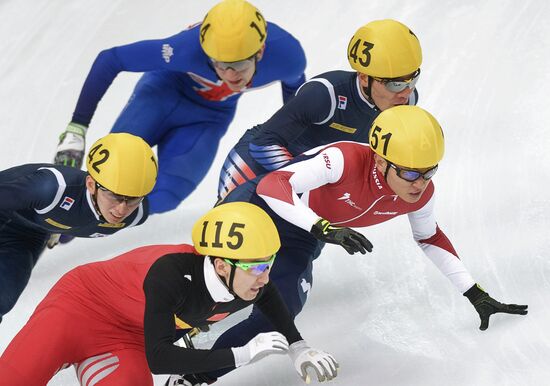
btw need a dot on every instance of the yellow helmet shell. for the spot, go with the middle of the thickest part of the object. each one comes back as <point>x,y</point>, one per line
<point>385,49</point>
<point>233,30</point>
<point>236,230</point>
<point>124,164</point>
<point>407,136</point>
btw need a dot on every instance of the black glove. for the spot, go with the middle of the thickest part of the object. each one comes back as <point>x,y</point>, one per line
<point>351,240</point>
<point>487,306</point>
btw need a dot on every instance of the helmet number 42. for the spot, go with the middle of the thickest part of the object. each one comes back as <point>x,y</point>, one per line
<point>364,56</point>
<point>104,153</point>
<point>232,233</point>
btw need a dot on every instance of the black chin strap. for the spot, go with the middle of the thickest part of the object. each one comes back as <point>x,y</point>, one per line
<point>229,283</point>
<point>386,171</point>
<point>231,278</point>
<point>96,206</point>
<point>368,91</point>
<point>255,67</point>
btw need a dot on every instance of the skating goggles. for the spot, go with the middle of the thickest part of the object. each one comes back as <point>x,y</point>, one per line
<point>255,268</point>
<point>396,85</point>
<point>413,175</point>
<point>239,66</point>
<point>118,198</point>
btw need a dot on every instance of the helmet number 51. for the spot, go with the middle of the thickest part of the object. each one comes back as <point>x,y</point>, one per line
<point>374,142</point>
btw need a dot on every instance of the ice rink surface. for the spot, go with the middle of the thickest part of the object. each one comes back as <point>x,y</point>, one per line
<point>390,318</point>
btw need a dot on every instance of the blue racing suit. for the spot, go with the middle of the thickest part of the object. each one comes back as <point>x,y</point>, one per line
<point>180,104</point>
<point>37,200</point>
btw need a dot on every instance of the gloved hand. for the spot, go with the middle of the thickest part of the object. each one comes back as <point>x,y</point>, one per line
<point>72,143</point>
<point>56,238</point>
<point>260,346</point>
<point>53,240</point>
<point>487,306</point>
<point>351,240</point>
<point>305,358</point>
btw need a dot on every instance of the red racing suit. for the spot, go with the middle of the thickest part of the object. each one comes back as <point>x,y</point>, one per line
<point>340,182</point>
<point>119,317</point>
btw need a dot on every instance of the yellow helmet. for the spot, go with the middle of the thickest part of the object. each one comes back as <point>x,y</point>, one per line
<point>384,49</point>
<point>233,30</point>
<point>407,136</point>
<point>124,164</point>
<point>236,230</point>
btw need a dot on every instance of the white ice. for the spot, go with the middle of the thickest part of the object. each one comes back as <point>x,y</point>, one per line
<point>390,317</point>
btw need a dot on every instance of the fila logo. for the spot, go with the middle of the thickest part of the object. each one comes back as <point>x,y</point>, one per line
<point>342,102</point>
<point>67,203</point>
<point>167,52</point>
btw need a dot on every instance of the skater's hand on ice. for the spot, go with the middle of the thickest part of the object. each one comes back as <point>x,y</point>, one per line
<point>487,306</point>
<point>306,358</point>
<point>260,346</point>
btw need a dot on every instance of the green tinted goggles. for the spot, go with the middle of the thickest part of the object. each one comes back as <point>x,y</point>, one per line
<point>255,268</point>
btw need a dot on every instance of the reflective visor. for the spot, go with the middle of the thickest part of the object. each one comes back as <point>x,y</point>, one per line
<point>255,268</point>
<point>413,175</point>
<point>118,198</point>
<point>239,66</point>
<point>399,84</point>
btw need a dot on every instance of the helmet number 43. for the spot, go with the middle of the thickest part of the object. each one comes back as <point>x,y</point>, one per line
<point>233,233</point>
<point>364,56</point>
